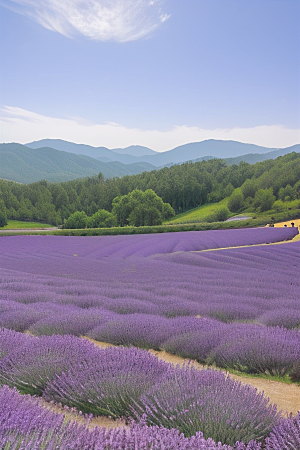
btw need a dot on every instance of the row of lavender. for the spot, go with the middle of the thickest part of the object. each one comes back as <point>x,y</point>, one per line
<point>20,310</point>
<point>258,284</point>
<point>85,295</point>
<point>126,382</point>
<point>143,245</point>
<point>25,424</point>
<point>255,284</point>
<point>246,347</point>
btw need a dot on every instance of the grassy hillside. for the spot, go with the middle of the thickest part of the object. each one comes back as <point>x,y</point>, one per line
<point>20,224</point>
<point>280,211</point>
<point>197,214</point>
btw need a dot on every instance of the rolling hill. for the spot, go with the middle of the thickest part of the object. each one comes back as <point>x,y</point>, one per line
<point>26,165</point>
<point>189,152</point>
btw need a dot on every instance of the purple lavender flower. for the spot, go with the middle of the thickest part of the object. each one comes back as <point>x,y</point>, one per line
<point>208,400</point>
<point>285,435</point>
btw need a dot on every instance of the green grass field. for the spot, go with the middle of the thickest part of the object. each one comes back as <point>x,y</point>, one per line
<point>197,214</point>
<point>202,213</point>
<point>18,224</point>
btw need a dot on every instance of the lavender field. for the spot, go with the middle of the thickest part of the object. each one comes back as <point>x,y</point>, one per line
<point>233,308</point>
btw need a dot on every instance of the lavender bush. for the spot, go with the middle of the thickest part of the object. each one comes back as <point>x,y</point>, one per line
<point>208,400</point>
<point>109,384</point>
<point>145,330</point>
<point>26,425</point>
<point>281,317</point>
<point>33,362</point>
<point>258,349</point>
<point>10,340</point>
<point>197,344</point>
<point>76,322</point>
<point>49,291</point>
<point>285,435</point>
<point>295,372</point>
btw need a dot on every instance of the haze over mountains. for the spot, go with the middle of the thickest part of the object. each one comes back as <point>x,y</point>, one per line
<point>136,153</point>
<point>58,160</point>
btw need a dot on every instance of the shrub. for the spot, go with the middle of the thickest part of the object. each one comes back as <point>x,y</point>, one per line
<point>285,435</point>
<point>102,219</point>
<point>30,365</point>
<point>25,424</point>
<point>281,317</point>
<point>264,199</point>
<point>208,400</point>
<point>76,220</point>
<point>236,201</point>
<point>76,322</point>
<point>108,385</point>
<point>258,349</point>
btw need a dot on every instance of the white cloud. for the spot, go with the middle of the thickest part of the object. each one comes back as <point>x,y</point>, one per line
<point>101,20</point>
<point>20,125</point>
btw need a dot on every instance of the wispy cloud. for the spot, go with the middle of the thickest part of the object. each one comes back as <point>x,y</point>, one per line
<point>101,20</point>
<point>20,125</point>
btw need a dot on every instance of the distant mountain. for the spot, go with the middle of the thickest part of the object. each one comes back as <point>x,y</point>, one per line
<point>101,153</point>
<point>253,158</point>
<point>187,152</point>
<point>26,165</point>
<point>135,150</point>
<point>209,148</point>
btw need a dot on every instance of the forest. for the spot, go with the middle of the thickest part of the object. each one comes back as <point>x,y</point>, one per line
<point>183,187</point>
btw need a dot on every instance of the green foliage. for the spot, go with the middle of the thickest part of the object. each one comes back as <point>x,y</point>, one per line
<point>76,220</point>
<point>249,187</point>
<point>236,201</point>
<point>3,215</point>
<point>26,165</point>
<point>200,214</point>
<point>220,214</point>
<point>185,187</point>
<point>264,199</point>
<point>18,224</point>
<point>140,208</point>
<point>102,219</point>
<point>286,194</point>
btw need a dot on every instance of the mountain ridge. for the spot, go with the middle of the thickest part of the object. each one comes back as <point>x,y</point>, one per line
<point>26,165</point>
<point>135,153</point>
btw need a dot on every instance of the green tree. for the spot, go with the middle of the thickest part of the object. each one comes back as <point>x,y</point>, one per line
<point>102,219</point>
<point>286,194</point>
<point>76,220</point>
<point>264,199</point>
<point>140,208</point>
<point>236,201</point>
<point>249,187</point>
<point>3,214</point>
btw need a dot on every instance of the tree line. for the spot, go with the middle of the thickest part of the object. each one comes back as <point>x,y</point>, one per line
<point>183,187</point>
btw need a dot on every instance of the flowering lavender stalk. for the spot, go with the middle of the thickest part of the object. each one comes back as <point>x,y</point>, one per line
<point>109,384</point>
<point>208,400</point>
<point>32,363</point>
<point>257,349</point>
<point>26,425</point>
<point>285,435</point>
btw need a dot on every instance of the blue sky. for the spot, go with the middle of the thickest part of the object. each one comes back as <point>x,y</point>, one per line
<point>155,73</point>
